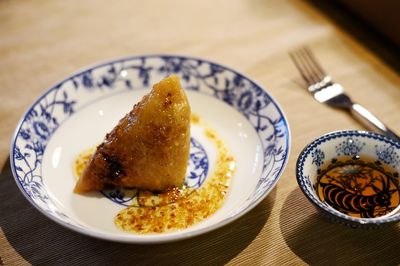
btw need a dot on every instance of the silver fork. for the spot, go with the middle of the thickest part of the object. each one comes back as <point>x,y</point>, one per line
<point>326,91</point>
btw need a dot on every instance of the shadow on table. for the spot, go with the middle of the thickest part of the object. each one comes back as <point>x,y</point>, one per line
<point>319,242</point>
<point>42,241</point>
<point>351,23</point>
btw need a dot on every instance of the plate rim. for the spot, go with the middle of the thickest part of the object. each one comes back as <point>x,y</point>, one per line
<point>150,239</point>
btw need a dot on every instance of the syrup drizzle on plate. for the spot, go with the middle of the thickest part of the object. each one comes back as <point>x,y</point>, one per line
<point>176,208</point>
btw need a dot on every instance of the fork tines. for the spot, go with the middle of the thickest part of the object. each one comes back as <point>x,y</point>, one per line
<point>308,66</point>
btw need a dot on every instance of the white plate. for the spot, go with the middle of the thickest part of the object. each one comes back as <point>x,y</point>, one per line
<point>77,113</point>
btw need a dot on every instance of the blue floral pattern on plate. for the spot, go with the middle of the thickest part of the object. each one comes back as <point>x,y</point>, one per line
<point>67,97</point>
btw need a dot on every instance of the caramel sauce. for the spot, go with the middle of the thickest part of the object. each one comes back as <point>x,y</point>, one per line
<point>175,208</point>
<point>359,187</point>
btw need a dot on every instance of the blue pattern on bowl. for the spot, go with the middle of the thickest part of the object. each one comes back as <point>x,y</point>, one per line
<point>349,147</point>
<point>318,157</point>
<point>387,154</point>
<point>352,143</point>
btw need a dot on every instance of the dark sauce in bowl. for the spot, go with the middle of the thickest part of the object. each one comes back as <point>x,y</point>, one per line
<point>359,187</point>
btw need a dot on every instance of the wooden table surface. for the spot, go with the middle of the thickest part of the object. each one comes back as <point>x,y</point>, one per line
<point>43,41</point>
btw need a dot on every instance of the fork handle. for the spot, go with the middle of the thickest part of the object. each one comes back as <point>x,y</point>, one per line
<point>372,122</point>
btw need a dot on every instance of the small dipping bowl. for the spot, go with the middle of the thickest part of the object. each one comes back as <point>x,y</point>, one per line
<point>352,177</point>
